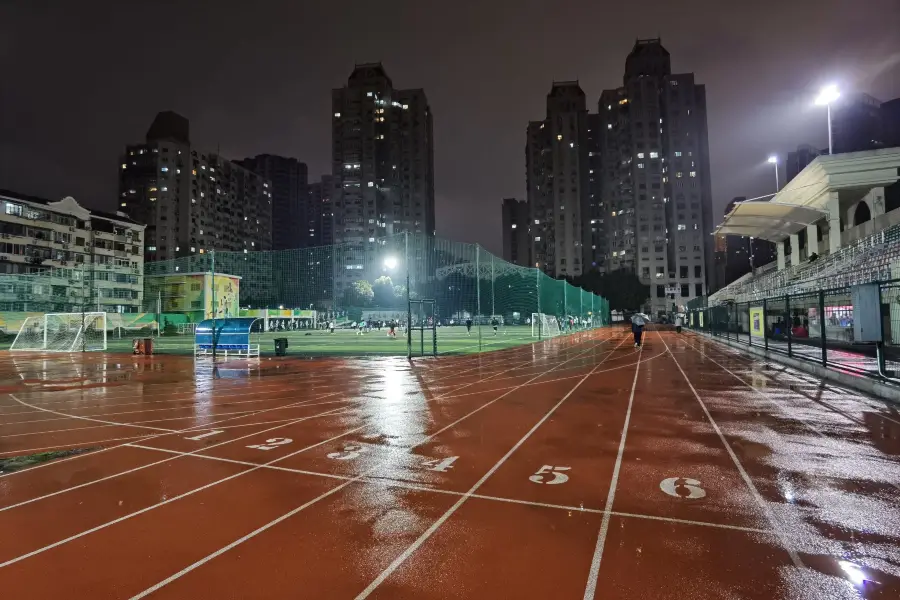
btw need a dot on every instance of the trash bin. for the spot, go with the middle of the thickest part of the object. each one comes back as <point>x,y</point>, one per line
<point>142,346</point>
<point>281,345</point>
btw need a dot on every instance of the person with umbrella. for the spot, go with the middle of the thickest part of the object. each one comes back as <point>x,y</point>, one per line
<point>637,327</point>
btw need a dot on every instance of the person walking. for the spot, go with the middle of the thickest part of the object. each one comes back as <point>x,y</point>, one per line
<point>637,328</point>
<point>679,321</point>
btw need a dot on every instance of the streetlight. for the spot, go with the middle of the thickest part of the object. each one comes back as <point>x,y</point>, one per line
<point>390,263</point>
<point>826,96</point>
<point>773,160</point>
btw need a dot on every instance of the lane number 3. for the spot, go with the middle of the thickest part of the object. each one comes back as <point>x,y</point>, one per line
<point>349,452</point>
<point>682,487</point>
<point>557,479</point>
<point>272,443</point>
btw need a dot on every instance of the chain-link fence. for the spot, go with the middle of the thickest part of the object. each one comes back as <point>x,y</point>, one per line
<point>337,299</point>
<point>852,328</point>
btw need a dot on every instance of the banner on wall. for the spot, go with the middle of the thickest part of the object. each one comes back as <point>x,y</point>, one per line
<point>701,318</point>
<point>692,319</point>
<point>757,327</point>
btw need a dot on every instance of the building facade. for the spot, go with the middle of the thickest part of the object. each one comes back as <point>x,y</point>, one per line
<point>383,168</point>
<point>71,258</point>
<point>656,192</point>
<point>295,222</point>
<point>857,124</point>
<point>320,199</point>
<point>557,182</point>
<point>796,161</point>
<point>516,241</point>
<point>192,202</point>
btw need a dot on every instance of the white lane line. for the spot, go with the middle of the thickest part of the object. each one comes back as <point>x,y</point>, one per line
<point>192,428</point>
<point>791,415</point>
<point>443,518</point>
<point>47,410</point>
<point>304,506</point>
<point>423,488</point>
<point>776,524</point>
<point>147,466</point>
<point>169,501</point>
<point>590,587</point>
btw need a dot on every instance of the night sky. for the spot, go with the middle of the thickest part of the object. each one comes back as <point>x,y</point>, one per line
<point>80,80</point>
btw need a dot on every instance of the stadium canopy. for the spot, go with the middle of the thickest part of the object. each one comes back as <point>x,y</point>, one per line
<point>771,221</point>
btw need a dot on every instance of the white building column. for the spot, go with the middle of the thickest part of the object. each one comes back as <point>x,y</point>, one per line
<point>875,199</point>
<point>779,255</point>
<point>834,222</point>
<point>812,239</point>
<point>795,249</point>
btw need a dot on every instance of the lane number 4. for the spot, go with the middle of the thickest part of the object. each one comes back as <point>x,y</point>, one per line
<point>272,443</point>
<point>546,470</point>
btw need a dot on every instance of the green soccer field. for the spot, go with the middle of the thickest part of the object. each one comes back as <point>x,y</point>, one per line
<point>345,342</point>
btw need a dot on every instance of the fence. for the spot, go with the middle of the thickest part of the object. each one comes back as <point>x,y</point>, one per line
<point>818,326</point>
<point>345,284</point>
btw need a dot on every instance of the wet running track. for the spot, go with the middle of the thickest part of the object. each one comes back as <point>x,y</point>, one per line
<point>575,468</point>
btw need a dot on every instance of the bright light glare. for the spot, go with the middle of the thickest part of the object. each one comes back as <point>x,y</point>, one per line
<point>390,262</point>
<point>828,95</point>
<point>773,159</point>
<point>854,573</point>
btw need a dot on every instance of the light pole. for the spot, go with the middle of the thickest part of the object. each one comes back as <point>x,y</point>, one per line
<point>773,160</point>
<point>826,96</point>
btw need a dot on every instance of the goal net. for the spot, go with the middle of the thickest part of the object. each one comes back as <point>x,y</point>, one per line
<point>62,332</point>
<point>544,325</point>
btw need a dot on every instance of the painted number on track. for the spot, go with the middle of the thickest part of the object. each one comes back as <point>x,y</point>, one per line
<point>440,464</point>
<point>546,470</point>
<point>272,443</point>
<point>349,452</point>
<point>205,435</point>
<point>682,487</point>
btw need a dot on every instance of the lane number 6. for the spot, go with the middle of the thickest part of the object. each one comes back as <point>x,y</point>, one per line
<point>558,477</point>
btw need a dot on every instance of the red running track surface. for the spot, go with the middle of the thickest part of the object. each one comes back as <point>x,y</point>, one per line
<point>579,467</point>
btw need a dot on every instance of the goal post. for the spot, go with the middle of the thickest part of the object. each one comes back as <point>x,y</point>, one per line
<point>62,332</point>
<point>543,325</point>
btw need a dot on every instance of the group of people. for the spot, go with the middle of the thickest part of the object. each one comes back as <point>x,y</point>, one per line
<point>365,326</point>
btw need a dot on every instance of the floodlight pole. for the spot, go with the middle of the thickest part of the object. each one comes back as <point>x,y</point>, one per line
<point>408,299</point>
<point>493,292</point>
<point>537,273</point>
<point>478,291</point>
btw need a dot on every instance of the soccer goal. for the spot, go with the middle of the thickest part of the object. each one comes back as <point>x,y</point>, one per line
<point>544,325</point>
<point>62,332</point>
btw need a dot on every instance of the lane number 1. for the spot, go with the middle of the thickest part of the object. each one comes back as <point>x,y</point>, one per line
<point>558,477</point>
<point>441,465</point>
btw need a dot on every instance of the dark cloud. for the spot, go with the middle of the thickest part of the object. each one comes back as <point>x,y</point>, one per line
<point>79,81</point>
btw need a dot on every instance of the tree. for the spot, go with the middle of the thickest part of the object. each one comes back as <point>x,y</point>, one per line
<point>360,293</point>
<point>383,291</point>
<point>622,288</point>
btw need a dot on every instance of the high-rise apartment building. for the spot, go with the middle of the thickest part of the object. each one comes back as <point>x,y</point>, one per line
<point>856,123</point>
<point>656,194</point>
<point>294,222</point>
<point>320,199</point>
<point>516,241</point>
<point>191,202</point>
<point>383,166</point>
<point>557,163</point>
<point>797,161</point>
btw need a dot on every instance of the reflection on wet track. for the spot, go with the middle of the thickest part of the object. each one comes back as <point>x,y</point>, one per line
<point>579,467</point>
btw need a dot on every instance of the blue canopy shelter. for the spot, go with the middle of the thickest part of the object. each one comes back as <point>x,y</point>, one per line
<point>228,336</point>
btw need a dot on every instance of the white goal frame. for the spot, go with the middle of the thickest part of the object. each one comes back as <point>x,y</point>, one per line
<point>544,326</point>
<point>77,340</point>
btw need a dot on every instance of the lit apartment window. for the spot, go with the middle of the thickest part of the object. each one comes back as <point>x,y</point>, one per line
<point>559,137</point>
<point>678,154</point>
<point>337,115</point>
<point>640,165</point>
<point>193,249</point>
<point>571,144</point>
<point>640,155</point>
<point>678,175</point>
<point>165,169</point>
<point>124,166</point>
<point>682,227</point>
<point>654,155</point>
<point>537,239</point>
<point>609,125</point>
<point>693,173</point>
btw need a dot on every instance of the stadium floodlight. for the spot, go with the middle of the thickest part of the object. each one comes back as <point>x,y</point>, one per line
<point>773,160</point>
<point>826,97</point>
<point>390,262</point>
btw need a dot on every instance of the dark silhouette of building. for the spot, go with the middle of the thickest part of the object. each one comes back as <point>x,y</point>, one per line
<point>294,223</point>
<point>656,200</point>
<point>798,160</point>
<point>741,253</point>
<point>857,125</point>
<point>320,195</point>
<point>516,242</point>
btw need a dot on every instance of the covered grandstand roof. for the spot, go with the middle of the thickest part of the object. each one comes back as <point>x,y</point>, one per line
<point>768,220</point>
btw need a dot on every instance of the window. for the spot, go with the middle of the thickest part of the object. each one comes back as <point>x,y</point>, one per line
<point>682,227</point>
<point>698,289</point>
<point>696,270</point>
<point>693,173</point>
<point>513,225</point>
<point>640,155</point>
<point>640,165</point>
<point>660,291</point>
<point>654,155</point>
<point>683,272</point>
<point>660,271</point>
<point>678,154</point>
<point>165,169</point>
<point>685,290</point>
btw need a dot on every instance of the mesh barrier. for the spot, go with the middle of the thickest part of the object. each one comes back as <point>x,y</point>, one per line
<point>358,289</point>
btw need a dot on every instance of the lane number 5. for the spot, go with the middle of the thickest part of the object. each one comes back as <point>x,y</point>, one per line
<point>682,487</point>
<point>557,479</point>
